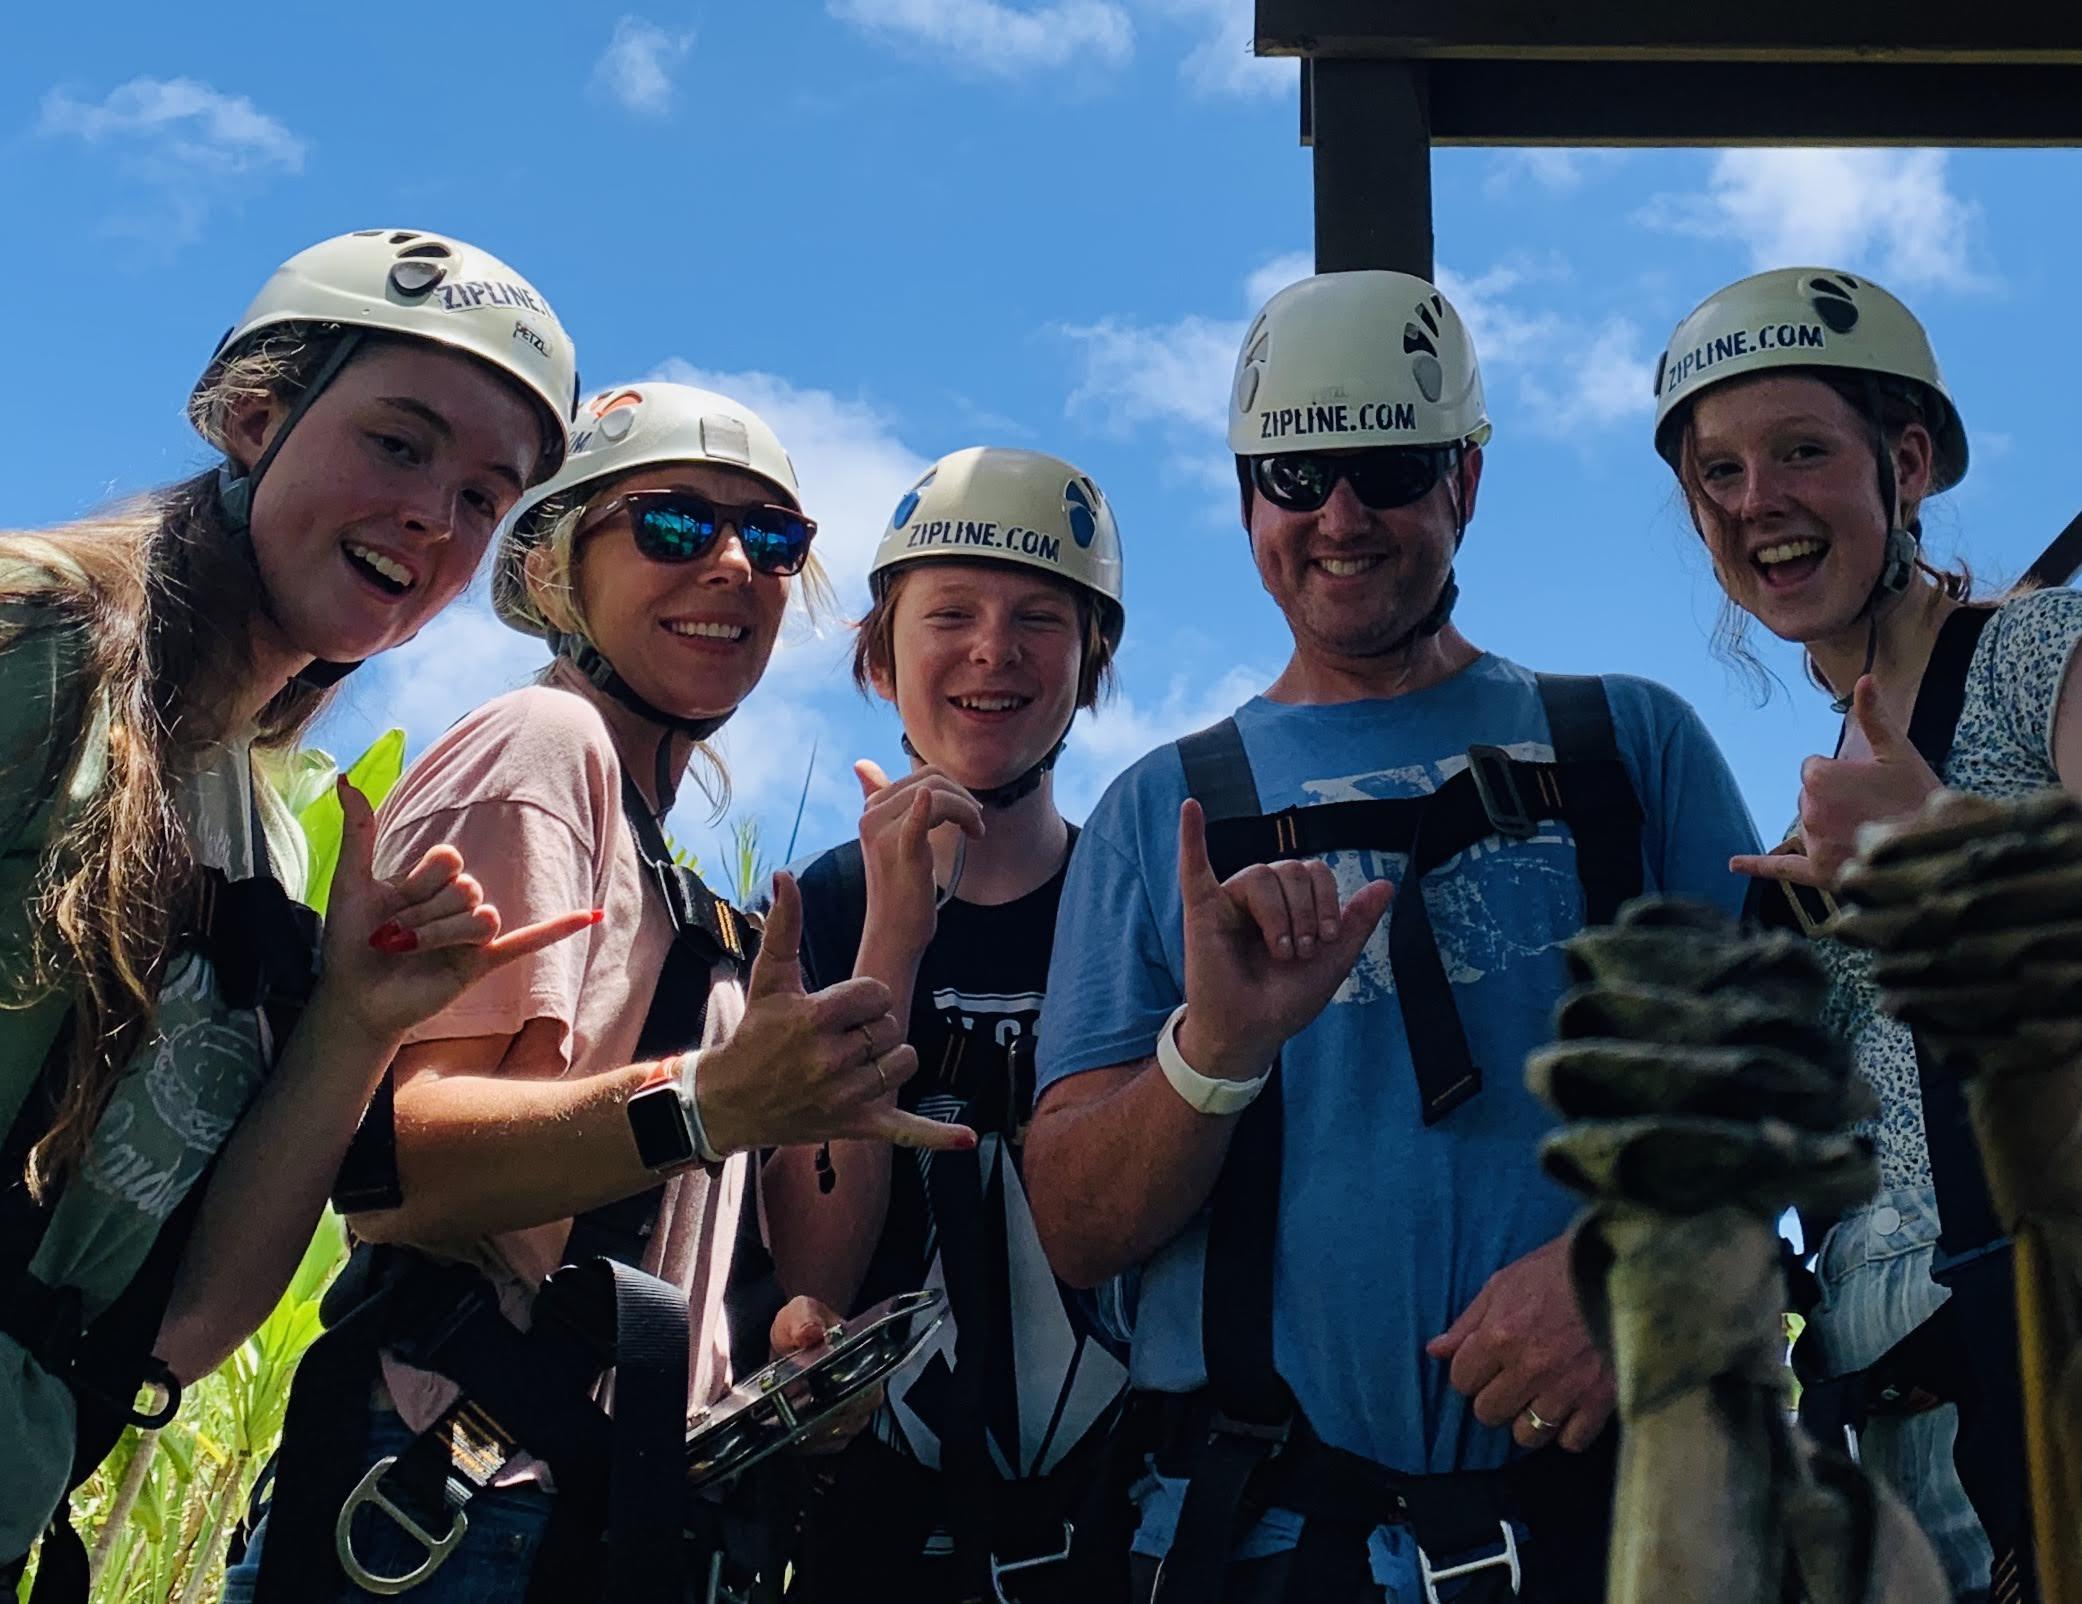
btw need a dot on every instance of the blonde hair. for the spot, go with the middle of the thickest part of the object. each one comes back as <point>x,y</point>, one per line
<point>552,588</point>
<point>163,596</point>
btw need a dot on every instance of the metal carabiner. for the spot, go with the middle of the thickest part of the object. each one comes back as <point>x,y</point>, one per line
<point>1006,1567</point>
<point>369,1491</point>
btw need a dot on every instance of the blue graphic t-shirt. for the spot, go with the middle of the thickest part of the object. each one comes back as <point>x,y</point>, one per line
<point>1387,1230</point>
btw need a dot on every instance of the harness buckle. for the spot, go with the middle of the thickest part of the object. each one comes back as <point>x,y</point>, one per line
<point>1507,1558</point>
<point>1495,773</point>
<point>1000,1568</point>
<point>1220,1424</point>
<point>369,1490</point>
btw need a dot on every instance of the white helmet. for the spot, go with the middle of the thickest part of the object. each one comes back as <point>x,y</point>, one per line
<point>426,287</point>
<point>1805,317</point>
<point>1345,361</point>
<point>620,430</point>
<point>1004,505</point>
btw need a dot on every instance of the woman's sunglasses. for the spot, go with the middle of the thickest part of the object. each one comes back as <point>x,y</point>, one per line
<point>678,526</point>
<point>1394,476</point>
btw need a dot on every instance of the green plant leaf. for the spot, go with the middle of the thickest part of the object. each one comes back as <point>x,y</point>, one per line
<point>374,774</point>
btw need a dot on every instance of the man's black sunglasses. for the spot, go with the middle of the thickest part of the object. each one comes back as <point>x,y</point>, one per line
<point>1393,476</point>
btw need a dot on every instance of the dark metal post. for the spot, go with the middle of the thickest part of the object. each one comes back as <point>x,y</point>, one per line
<point>1371,127</point>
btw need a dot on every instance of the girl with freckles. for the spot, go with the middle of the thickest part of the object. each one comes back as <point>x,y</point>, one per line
<point>176,1091</point>
<point>1804,416</point>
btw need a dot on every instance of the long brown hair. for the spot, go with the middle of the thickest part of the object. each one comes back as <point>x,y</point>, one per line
<point>164,597</point>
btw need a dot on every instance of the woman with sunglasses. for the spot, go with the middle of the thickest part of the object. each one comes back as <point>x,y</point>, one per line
<point>996,614</point>
<point>598,1104</point>
<point>177,1092</point>
<point>1805,418</point>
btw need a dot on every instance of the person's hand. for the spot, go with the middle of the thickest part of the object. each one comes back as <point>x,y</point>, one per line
<point>1265,950</point>
<point>804,1324</point>
<point>399,950</point>
<point>896,824</point>
<point>1523,1353</point>
<point>1840,794</point>
<point>805,1067</point>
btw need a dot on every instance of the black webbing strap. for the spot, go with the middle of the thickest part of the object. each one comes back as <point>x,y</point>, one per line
<point>1496,796</point>
<point>954,1186</point>
<point>1967,1223</point>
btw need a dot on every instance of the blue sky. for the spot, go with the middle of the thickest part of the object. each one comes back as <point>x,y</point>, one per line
<point>899,227</point>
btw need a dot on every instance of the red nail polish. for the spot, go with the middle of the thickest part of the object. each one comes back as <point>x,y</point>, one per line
<point>394,938</point>
<point>599,914</point>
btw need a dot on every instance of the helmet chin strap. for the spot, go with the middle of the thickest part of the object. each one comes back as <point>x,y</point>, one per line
<point>1014,790</point>
<point>1897,558</point>
<point>235,493</point>
<point>590,661</point>
<point>1441,611</point>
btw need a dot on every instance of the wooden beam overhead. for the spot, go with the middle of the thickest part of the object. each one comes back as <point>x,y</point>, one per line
<point>1778,31</point>
<point>1723,103</point>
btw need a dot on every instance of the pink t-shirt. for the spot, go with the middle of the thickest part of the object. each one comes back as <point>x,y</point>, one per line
<point>528,788</point>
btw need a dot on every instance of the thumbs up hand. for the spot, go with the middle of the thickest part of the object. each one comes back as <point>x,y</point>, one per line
<point>1887,779</point>
<point>805,1067</point>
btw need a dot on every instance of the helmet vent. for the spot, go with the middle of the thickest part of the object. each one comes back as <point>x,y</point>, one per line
<point>1430,322</point>
<point>1081,504</point>
<point>403,237</point>
<point>415,278</point>
<point>433,249</point>
<point>1662,364</point>
<point>366,233</point>
<point>1832,303</point>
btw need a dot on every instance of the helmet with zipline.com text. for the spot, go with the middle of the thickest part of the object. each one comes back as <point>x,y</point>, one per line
<point>1806,317</point>
<point>1356,361</point>
<point>1001,504</point>
<point>423,286</point>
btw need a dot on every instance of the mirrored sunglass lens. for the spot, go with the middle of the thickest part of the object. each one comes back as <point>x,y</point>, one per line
<point>775,541</point>
<point>1394,479</point>
<point>677,532</point>
<point>1301,481</point>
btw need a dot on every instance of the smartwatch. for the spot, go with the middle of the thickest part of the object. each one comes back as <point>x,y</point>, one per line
<point>665,1127</point>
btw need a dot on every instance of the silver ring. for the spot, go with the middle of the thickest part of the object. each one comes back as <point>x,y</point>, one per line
<point>882,1077</point>
<point>1532,1419</point>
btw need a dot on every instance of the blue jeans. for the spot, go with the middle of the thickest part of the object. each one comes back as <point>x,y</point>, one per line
<point>1876,1289</point>
<point>490,1566</point>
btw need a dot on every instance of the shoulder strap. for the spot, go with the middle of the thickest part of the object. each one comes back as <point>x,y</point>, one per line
<point>1943,692</point>
<point>834,912</point>
<point>1608,830</point>
<point>1218,771</point>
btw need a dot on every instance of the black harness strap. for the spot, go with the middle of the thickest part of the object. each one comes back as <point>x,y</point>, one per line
<point>1252,1422</point>
<point>263,949</point>
<point>528,1390</point>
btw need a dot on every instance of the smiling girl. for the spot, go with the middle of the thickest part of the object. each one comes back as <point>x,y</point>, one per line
<point>997,610</point>
<point>173,1125</point>
<point>1804,416</point>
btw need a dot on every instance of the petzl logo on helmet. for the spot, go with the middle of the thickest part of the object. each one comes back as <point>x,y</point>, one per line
<point>909,504</point>
<point>1081,505</point>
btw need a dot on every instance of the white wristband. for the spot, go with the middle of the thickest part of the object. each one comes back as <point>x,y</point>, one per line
<point>1202,1092</point>
<point>692,1104</point>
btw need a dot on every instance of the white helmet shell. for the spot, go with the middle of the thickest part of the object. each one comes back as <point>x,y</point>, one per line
<point>1805,317</point>
<point>425,287</point>
<point>1347,361</point>
<point>620,430</point>
<point>1000,504</point>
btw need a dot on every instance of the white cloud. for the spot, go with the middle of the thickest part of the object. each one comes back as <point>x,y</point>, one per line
<point>635,70</point>
<point>194,146</point>
<point>1220,61</point>
<point>1888,212</point>
<point>989,36</point>
<point>1107,740</point>
<point>1275,276</point>
<point>1555,170</point>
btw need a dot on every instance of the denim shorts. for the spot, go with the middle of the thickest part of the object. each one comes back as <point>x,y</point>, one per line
<point>1874,1268</point>
<point>490,1566</point>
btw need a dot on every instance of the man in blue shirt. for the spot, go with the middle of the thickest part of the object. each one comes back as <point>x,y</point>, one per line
<point>1392,1308</point>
